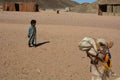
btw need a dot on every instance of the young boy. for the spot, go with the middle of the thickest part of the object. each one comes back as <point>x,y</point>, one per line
<point>32,34</point>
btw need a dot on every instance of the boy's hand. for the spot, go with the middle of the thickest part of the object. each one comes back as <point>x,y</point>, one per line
<point>28,36</point>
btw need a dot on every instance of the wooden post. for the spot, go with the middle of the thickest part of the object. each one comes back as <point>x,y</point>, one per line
<point>109,9</point>
<point>114,11</point>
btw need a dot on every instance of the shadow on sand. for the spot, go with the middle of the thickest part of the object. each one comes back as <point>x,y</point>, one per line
<point>40,44</point>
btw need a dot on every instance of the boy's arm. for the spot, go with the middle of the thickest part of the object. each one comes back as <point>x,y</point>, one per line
<point>29,31</point>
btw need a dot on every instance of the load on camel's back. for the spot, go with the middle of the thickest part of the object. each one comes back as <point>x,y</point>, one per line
<point>98,52</point>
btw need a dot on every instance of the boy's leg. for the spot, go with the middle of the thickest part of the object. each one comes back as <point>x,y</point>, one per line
<point>30,41</point>
<point>34,41</point>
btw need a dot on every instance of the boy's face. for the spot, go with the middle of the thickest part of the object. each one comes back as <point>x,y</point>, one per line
<point>33,24</point>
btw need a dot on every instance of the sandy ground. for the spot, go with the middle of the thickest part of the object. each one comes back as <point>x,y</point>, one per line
<point>60,59</point>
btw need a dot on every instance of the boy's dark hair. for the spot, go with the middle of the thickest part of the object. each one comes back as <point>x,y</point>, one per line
<point>33,21</point>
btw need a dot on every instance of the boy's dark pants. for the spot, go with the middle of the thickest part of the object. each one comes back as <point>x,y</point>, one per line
<point>32,40</point>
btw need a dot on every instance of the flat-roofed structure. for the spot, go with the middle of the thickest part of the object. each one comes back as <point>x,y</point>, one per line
<point>108,7</point>
<point>19,5</point>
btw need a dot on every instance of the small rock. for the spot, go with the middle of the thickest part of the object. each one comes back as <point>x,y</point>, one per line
<point>38,70</point>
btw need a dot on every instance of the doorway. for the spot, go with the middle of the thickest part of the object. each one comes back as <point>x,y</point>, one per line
<point>17,8</point>
<point>103,8</point>
<point>37,8</point>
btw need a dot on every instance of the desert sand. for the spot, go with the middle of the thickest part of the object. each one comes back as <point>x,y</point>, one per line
<point>60,58</point>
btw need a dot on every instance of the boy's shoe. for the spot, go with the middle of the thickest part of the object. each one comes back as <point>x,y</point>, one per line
<point>34,45</point>
<point>29,45</point>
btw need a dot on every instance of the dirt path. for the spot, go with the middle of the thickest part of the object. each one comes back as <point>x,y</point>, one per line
<point>60,59</point>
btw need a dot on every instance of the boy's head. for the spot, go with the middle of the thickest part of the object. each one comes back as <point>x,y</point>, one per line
<point>33,22</point>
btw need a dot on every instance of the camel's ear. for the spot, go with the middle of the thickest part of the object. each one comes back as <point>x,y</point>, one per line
<point>110,44</point>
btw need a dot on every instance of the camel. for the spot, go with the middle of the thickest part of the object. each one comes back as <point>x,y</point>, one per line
<point>98,52</point>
